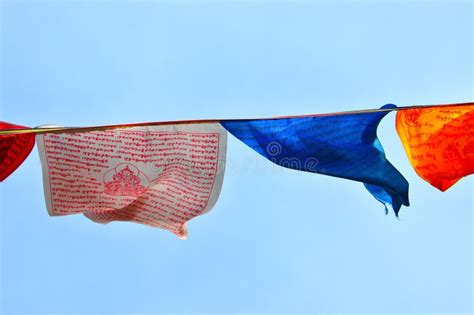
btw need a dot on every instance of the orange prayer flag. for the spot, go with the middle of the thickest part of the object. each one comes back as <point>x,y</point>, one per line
<point>439,142</point>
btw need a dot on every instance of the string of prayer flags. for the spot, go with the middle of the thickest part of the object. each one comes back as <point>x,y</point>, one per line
<point>14,149</point>
<point>439,142</point>
<point>161,176</point>
<point>344,146</point>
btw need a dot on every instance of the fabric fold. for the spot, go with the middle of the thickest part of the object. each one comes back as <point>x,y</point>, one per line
<point>340,145</point>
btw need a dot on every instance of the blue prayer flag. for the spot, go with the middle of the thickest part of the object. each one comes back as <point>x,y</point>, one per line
<point>341,145</point>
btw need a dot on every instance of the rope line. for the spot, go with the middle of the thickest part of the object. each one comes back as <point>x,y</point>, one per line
<point>45,130</point>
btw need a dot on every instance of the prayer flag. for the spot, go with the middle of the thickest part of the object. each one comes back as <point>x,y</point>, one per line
<point>161,176</point>
<point>341,145</point>
<point>439,142</point>
<point>14,149</point>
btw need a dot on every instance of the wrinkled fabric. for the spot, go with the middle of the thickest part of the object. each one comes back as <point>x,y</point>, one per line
<point>439,142</point>
<point>14,149</point>
<point>160,176</point>
<point>341,145</point>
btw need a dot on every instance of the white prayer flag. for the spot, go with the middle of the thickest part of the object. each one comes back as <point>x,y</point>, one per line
<point>161,176</point>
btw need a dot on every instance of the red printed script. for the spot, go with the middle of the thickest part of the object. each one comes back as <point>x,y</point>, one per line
<point>161,176</point>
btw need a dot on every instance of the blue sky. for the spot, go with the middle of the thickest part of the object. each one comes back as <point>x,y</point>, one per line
<point>277,241</point>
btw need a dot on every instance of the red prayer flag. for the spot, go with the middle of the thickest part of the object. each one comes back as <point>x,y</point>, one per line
<point>14,149</point>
